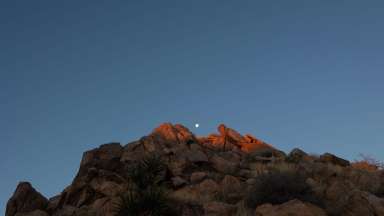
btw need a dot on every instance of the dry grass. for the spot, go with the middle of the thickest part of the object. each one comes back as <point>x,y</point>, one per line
<point>368,163</point>
<point>258,169</point>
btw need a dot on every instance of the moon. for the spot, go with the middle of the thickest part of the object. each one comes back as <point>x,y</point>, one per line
<point>197,125</point>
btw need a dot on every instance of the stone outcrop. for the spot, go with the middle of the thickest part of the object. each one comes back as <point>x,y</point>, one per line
<point>291,208</point>
<point>229,139</point>
<point>330,158</point>
<point>26,201</point>
<point>206,176</point>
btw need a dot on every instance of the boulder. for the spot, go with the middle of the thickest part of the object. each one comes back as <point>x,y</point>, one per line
<point>107,156</point>
<point>222,165</point>
<point>364,203</point>
<point>230,135</point>
<point>290,208</point>
<point>73,211</point>
<point>104,206</point>
<point>218,209</point>
<point>25,199</point>
<point>133,151</point>
<point>330,158</point>
<point>187,194</point>
<point>33,213</point>
<point>197,177</point>
<point>170,135</point>
<point>208,187</point>
<point>251,144</point>
<point>178,181</point>
<point>231,189</point>
<point>296,155</point>
<point>266,153</point>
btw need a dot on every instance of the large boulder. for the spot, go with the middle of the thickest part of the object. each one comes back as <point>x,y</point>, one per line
<point>25,199</point>
<point>91,185</point>
<point>296,155</point>
<point>228,139</point>
<point>330,158</point>
<point>251,144</point>
<point>290,208</point>
<point>107,156</point>
<point>168,135</point>
<point>363,203</point>
<point>222,165</point>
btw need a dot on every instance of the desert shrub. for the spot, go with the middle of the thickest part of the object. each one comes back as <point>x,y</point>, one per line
<point>147,194</point>
<point>367,163</point>
<point>279,187</point>
<point>147,172</point>
<point>152,202</point>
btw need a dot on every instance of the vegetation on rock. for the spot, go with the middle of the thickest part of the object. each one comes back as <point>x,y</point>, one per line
<point>279,187</point>
<point>147,194</point>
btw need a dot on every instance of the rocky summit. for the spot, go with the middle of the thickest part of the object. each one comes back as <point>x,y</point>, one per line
<point>173,172</point>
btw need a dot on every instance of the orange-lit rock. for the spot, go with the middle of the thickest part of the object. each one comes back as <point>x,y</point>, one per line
<point>230,139</point>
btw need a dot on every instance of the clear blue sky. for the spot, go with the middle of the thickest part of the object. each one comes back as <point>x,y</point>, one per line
<point>76,74</point>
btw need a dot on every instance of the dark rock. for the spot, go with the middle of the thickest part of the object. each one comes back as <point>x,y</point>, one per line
<point>25,199</point>
<point>296,155</point>
<point>33,213</point>
<point>330,158</point>
<point>178,181</point>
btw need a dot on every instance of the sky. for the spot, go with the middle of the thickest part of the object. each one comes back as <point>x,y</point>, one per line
<point>77,74</point>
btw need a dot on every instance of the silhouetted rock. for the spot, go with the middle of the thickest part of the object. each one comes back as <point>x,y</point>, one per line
<point>296,155</point>
<point>24,200</point>
<point>330,158</point>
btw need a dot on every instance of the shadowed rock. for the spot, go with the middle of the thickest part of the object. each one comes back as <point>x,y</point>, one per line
<point>25,199</point>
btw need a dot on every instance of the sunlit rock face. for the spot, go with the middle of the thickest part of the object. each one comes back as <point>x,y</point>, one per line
<point>230,139</point>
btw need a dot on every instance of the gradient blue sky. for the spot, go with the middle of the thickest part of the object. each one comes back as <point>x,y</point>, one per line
<point>76,74</point>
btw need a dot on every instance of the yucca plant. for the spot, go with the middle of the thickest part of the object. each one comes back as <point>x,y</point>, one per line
<point>147,194</point>
<point>149,171</point>
<point>151,202</point>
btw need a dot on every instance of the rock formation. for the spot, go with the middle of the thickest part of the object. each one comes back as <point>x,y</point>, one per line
<point>208,176</point>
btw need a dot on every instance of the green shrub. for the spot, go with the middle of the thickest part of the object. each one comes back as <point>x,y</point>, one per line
<point>279,187</point>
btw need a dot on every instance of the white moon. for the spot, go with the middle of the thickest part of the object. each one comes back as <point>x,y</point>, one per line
<point>197,125</point>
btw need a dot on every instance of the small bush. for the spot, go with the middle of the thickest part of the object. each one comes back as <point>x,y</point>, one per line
<point>280,187</point>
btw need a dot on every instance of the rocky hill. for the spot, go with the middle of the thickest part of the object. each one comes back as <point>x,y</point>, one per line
<point>173,172</point>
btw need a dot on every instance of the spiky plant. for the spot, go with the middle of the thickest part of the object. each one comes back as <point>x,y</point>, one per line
<point>147,194</point>
<point>151,202</point>
<point>148,172</point>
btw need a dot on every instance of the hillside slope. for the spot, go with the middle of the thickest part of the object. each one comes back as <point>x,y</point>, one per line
<point>221,174</point>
